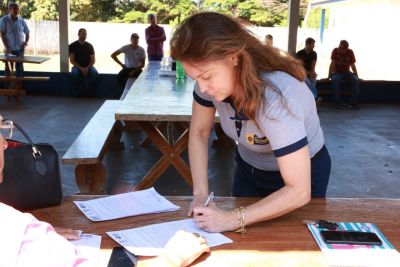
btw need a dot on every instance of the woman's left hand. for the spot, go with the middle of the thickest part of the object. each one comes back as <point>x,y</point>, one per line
<point>68,234</point>
<point>214,219</point>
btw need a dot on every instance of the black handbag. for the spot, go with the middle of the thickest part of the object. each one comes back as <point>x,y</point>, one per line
<point>31,175</point>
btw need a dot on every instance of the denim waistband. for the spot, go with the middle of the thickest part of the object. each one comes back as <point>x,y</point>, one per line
<point>319,153</point>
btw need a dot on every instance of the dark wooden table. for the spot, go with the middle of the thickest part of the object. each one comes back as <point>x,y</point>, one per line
<point>165,101</point>
<point>284,241</point>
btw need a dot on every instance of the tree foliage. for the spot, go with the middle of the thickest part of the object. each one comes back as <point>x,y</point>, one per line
<point>257,12</point>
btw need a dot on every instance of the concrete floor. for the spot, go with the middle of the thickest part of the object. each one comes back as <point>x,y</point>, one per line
<point>364,146</point>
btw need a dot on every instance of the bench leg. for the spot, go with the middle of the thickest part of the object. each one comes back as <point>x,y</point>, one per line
<point>90,177</point>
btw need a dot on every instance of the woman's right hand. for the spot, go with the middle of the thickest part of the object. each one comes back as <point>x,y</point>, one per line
<point>198,201</point>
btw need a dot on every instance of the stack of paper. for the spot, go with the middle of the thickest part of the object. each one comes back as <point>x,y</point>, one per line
<point>89,247</point>
<point>357,255</point>
<point>125,205</point>
<point>149,240</point>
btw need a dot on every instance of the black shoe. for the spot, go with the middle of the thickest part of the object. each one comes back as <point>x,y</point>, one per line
<point>336,106</point>
<point>353,106</point>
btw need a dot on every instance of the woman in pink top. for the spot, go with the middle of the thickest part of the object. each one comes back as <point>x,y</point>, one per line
<point>26,241</point>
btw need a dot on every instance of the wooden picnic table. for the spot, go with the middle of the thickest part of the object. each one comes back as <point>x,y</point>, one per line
<point>165,100</point>
<point>284,241</point>
<point>15,83</point>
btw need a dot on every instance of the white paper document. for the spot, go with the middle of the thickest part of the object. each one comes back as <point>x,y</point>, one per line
<point>125,205</point>
<point>149,240</point>
<point>89,246</point>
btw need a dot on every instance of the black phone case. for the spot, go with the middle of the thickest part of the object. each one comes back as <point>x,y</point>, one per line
<point>351,238</point>
<point>120,257</point>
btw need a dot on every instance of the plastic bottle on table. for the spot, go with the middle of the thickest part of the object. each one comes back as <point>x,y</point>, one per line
<point>180,71</point>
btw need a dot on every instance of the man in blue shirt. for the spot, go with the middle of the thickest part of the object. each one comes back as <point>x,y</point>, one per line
<point>15,35</point>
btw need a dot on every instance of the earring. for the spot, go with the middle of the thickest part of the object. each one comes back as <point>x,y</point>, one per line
<point>235,63</point>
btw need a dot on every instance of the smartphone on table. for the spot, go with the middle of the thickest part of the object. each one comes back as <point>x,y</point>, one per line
<point>350,237</point>
<point>120,257</point>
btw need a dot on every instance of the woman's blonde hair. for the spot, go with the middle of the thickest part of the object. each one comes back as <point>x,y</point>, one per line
<point>211,36</point>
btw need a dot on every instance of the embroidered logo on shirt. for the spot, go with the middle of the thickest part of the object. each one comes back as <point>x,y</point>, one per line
<point>253,139</point>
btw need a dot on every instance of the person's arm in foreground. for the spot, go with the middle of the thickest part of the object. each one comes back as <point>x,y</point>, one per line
<point>68,233</point>
<point>181,250</point>
<point>313,74</point>
<point>7,49</point>
<point>295,169</point>
<point>199,133</point>
<point>116,59</point>
<point>74,63</point>
<point>331,68</point>
<point>354,69</point>
<point>92,61</point>
<point>133,73</point>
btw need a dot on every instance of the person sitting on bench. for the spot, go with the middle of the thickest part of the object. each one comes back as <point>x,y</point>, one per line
<point>342,60</point>
<point>84,75</point>
<point>135,57</point>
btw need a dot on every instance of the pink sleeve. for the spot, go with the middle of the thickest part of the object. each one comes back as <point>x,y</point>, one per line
<point>42,246</point>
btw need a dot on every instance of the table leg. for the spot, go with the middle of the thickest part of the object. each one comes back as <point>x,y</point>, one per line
<point>161,126</point>
<point>171,156</point>
<point>90,177</point>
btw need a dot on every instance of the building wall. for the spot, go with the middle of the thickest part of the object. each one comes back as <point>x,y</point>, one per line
<point>371,28</point>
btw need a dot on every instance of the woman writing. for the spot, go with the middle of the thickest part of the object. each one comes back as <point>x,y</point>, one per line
<point>264,105</point>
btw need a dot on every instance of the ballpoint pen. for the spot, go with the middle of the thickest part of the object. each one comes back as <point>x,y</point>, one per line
<point>209,199</point>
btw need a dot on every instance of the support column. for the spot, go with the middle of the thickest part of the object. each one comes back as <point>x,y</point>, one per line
<point>293,17</point>
<point>63,10</point>
<point>322,25</point>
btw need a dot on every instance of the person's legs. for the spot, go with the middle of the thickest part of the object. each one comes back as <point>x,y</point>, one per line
<point>354,87</point>
<point>312,87</point>
<point>336,80</point>
<point>122,76</point>
<point>320,172</point>
<point>93,77</point>
<point>154,57</point>
<point>19,67</point>
<point>76,77</point>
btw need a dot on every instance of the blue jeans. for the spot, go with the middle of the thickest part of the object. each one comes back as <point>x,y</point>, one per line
<point>84,85</point>
<point>19,67</point>
<point>251,182</point>
<point>154,57</point>
<point>312,87</point>
<point>354,86</point>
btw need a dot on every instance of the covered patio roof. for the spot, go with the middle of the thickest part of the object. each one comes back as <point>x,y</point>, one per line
<point>323,3</point>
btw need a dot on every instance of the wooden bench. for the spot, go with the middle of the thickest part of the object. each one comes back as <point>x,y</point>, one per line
<point>326,89</point>
<point>91,145</point>
<point>16,89</point>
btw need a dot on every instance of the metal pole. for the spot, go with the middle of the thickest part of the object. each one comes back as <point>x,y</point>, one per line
<point>322,25</point>
<point>63,9</point>
<point>294,6</point>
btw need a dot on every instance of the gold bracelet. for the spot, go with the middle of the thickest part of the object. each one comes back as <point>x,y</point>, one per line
<point>240,216</point>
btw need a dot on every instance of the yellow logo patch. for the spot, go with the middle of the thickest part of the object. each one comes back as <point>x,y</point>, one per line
<point>253,139</point>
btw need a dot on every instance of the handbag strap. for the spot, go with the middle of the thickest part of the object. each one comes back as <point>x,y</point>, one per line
<point>35,151</point>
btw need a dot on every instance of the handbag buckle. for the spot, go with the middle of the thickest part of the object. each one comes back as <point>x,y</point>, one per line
<point>36,153</point>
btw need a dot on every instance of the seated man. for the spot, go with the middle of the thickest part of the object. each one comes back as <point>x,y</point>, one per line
<point>309,58</point>
<point>135,57</point>
<point>84,75</point>
<point>342,60</point>
<point>27,241</point>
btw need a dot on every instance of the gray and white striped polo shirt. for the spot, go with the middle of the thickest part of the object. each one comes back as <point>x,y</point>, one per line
<point>287,123</point>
